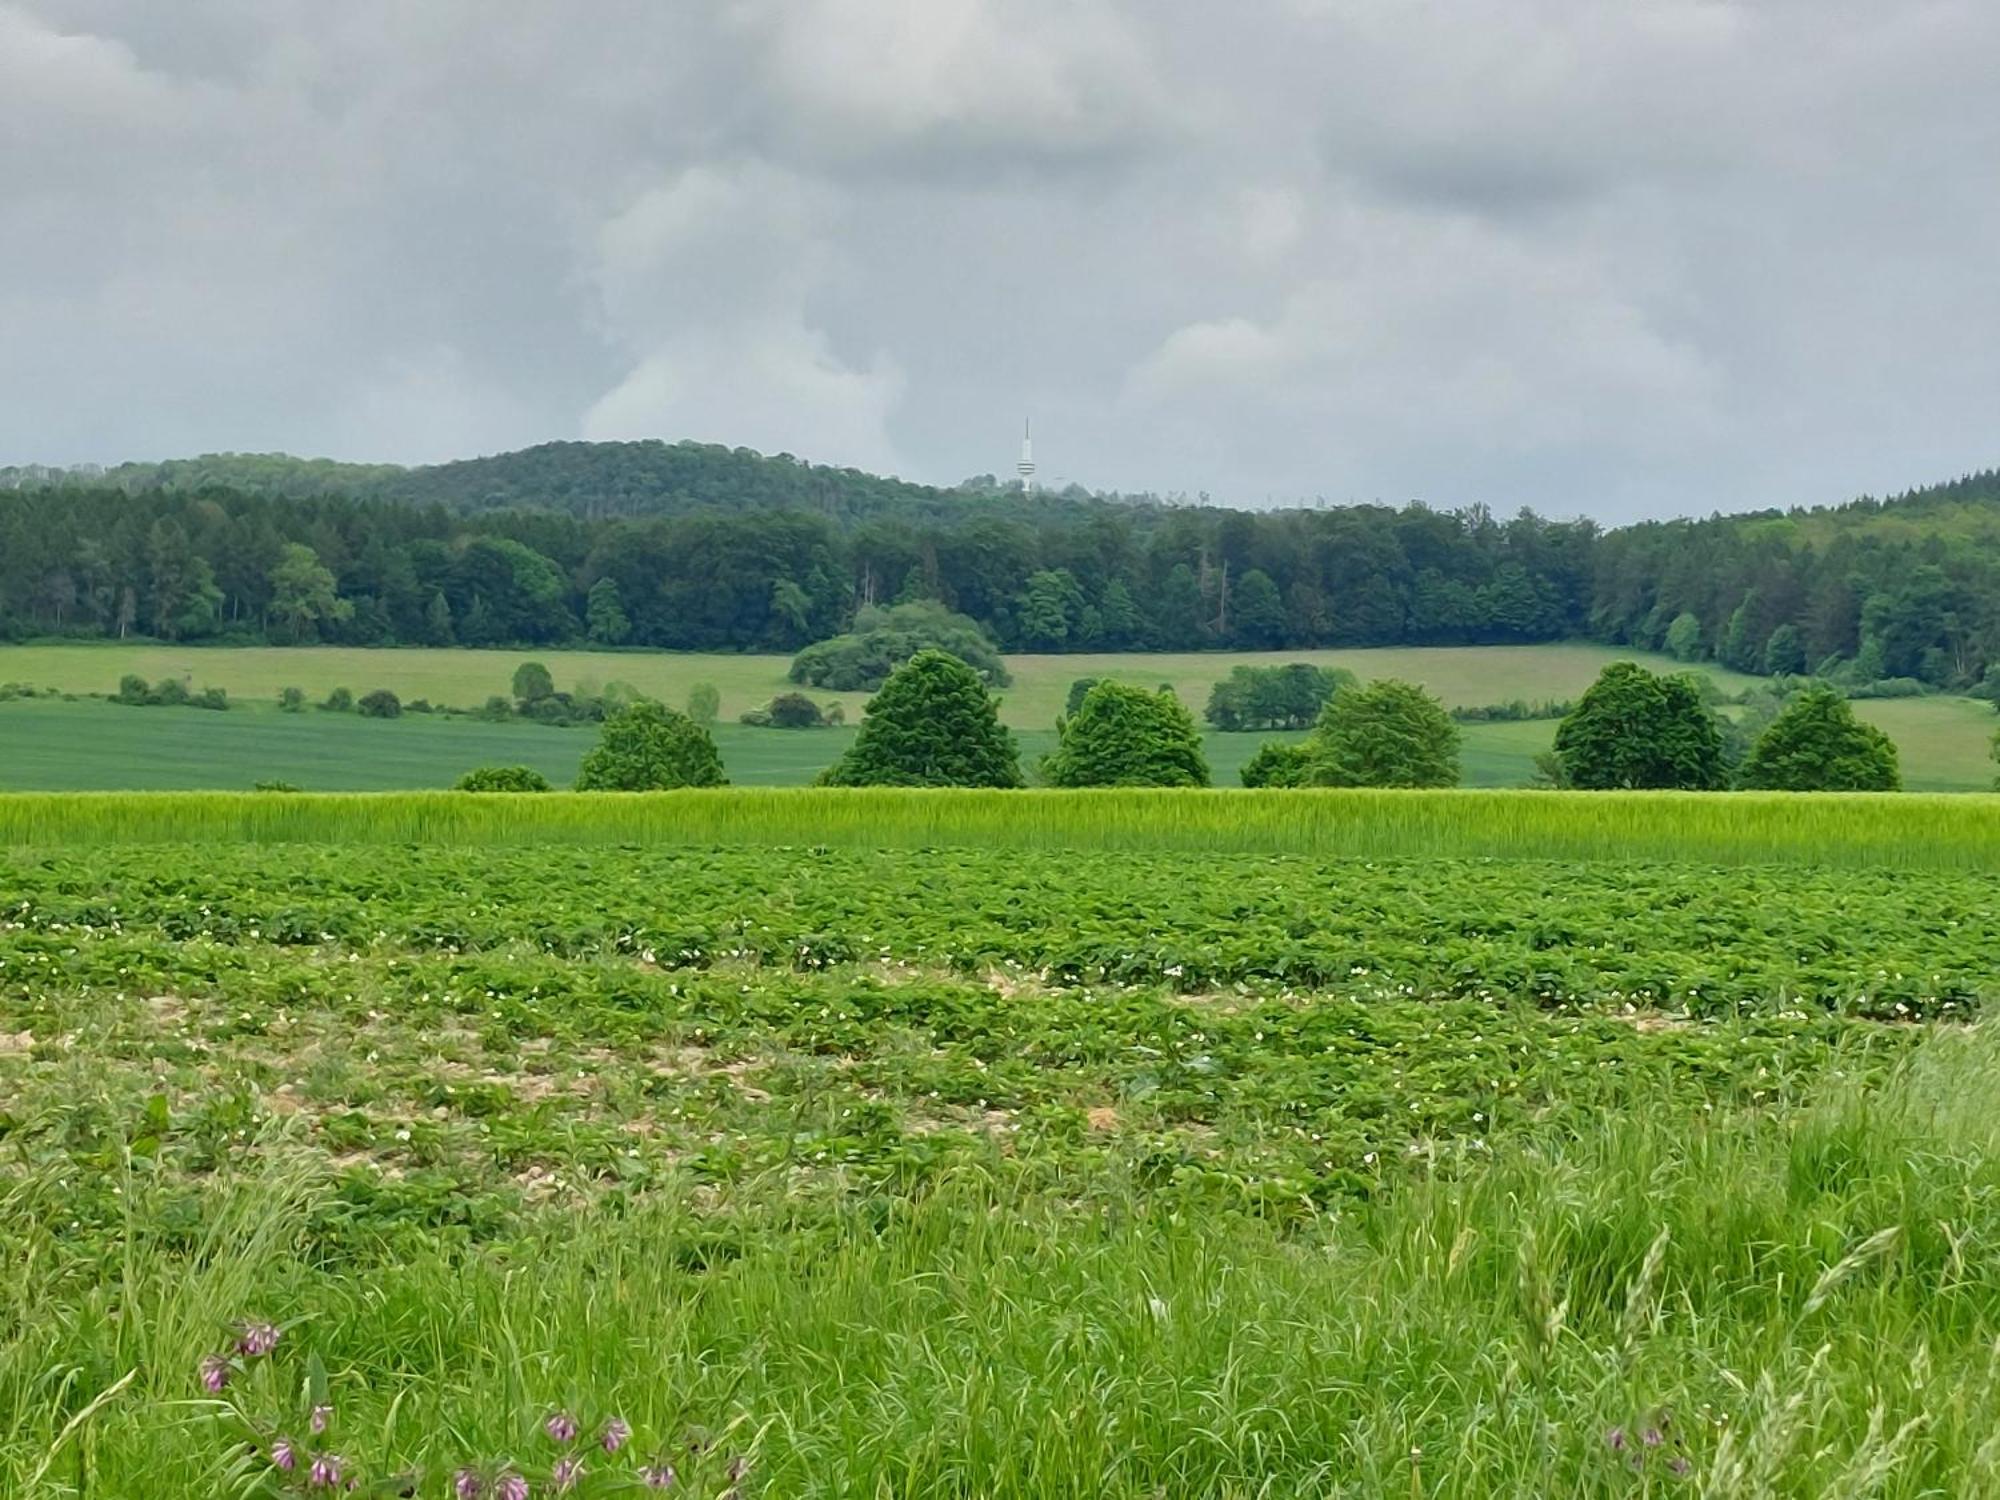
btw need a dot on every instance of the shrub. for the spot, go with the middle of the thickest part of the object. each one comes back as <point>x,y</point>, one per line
<point>170,692</point>
<point>212,697</point>
<point>496,708</point>
<point>1277,764</point>
<point>883,639</point>
<point>1389,733</point>
<point>795,711</point>
<point>1817,745</point>
<point>933,724</point>
<point>1633,728</point>
<point>292,700</point>
<point>339,701</point>
<point>1126,736</point>
<point>419,706</point>
<point>133,689</point>
<point>1077,691</point>
<point>704,703</point>
<point>380,704</point>
<point>503,779</point>
<point>649,747</point>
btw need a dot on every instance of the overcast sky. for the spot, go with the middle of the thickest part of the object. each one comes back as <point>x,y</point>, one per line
<point>1605,257</point>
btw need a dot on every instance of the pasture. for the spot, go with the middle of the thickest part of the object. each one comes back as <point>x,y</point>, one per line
<point>54,746</point>
<point>1017,1172</point>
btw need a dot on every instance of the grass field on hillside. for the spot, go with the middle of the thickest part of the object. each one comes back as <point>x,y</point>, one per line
<point>1002,1173</point>
<point>465,679</point>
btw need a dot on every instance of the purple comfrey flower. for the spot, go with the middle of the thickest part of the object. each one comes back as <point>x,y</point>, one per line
<point>510,1486</point>
<point>466,1486</point>
<point>325,1471</point>
<point>284,1455</point>
<point>1650,1437</point>
<point>561,1427</point>
<point>659,1477</point>
<point>257,1339</point>
<point>214,1373</point>
<point>1678,1465</point>
<point>321,1415</point>
<point>615,1435</point>
<point>1615,1440</point>
<point>566,1473</point>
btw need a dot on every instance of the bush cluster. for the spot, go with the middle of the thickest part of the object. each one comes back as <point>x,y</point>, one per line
<point>168,692</point>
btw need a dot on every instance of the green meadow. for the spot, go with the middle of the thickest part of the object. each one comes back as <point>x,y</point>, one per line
<point>87,745</point>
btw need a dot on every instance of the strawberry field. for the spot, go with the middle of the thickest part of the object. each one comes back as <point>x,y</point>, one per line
<point>1001,1171</point>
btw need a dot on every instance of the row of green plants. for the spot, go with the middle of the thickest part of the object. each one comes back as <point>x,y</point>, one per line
<point>1693,939</point>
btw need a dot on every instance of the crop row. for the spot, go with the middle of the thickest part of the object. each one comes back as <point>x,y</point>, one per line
<point>1917,832</point>
<point>1893,945</point>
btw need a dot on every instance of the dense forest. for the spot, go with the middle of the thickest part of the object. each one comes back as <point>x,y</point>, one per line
<point>689,546</point>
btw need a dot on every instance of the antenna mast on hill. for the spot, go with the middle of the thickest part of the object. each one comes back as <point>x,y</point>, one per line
<point>1026,467</point>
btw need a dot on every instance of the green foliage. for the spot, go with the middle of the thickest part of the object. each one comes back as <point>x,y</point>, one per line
<point>502,779</point>
<point>648,747</point>
<point>380,704</point>
<point>292,700</point>
<point>169,692</point>
<point>339,701</point>
<point>1287,697</point>
<point>1126,736</point>
<point>883,639</point>
<point>704,703</point>
<point>1635,729</point>
<point>277,786</point>
<point>933,724</point>
<point>532,684</point>
<point>604,614</point>
<point>1817,745</point>
<point>1258,618</point>
<point>304,595</point>
<point>1683,640</point>
<point>1387,734</point>
<point>1277,764</point>
<point>787,711</point>
<point>1785,652</point>
<point>1073,699</point>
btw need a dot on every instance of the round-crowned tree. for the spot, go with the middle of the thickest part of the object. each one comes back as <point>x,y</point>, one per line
<point>1125,736</point>
<point>1388,733</point>
<point>1817,745</point>
<point>647,747</point>
<point>1633,728</point>
<point>933,724</point>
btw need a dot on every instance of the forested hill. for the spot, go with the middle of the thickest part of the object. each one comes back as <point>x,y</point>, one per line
<point>698,547</point>
<point>591,480</point>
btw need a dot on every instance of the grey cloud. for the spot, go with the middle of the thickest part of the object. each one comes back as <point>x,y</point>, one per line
<point>1604,258</point>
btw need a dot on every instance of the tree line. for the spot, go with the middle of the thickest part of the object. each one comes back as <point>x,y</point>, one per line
<point>1901,590</point>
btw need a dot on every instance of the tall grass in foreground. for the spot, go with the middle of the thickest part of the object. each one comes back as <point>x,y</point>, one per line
<point>1952,832</point>
<point>1792,1307</point>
